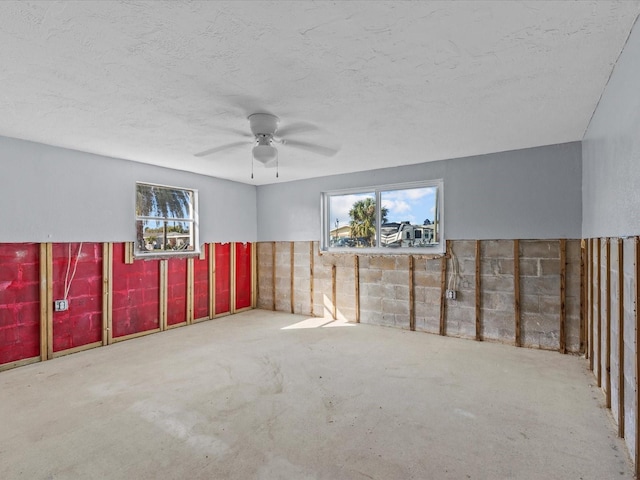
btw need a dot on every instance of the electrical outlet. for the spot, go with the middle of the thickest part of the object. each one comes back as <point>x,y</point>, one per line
<point>61,305</point>
<point>451,294</point>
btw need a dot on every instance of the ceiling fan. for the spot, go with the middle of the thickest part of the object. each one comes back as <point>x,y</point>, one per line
<point>266,135</point>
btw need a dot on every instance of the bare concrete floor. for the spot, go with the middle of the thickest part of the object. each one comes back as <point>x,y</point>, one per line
<point>243,398</point>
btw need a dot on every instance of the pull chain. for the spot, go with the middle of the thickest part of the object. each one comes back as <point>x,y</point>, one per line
<point>252,166</point>
<point>277,164</point>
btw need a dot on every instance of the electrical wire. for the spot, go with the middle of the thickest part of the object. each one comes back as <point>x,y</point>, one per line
<point>67,280</point>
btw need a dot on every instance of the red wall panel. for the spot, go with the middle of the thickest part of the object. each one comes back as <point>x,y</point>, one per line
<point>81,324</point>
<point>176,290</point>
<point>136,294</point>
<point>223,277</point>
<point>19,301</point>
<point>243,275</point>
<point>201,286</point>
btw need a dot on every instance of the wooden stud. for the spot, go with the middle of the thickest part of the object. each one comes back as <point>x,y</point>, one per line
<point>443,290</point>
<point>254,275</point>
<point>637,319</point>
<point>590,304</point>
<point>19,363</point>
<point>607,353</point>
<point>412,302</point>
<point>107,293</point>
<point>311,265</point>
<point>583,286</point>
<point>478,294</point>
<point>190,285</point>
<point>516,291</point>
<point>273,275</point>
<point>232,278</point>
<point>135,335</point>
<point>599,313</point>
<point>81,348</point>
<point>334,295</point>
<point>563,295</point>
<point>292,284</point>
<point>212,280</point>
<point>620,338</point>
<point>45,304</point>
<point>356,274</point>
<point>163,294</point>
<point>49,260</point>
<point>128,253</point>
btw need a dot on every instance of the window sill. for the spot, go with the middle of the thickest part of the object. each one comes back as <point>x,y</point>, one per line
<point>437,251</point>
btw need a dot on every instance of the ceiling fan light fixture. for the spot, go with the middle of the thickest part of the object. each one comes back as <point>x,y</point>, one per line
<point>265,154</point>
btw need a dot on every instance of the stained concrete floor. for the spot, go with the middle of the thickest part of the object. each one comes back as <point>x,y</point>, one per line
<point>242,397</point>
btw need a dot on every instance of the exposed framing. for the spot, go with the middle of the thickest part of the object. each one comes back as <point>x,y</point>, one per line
<point>621,413</point>
<point>107,293</point>
<point>412,301</point>
<point>516,292</point>
<point>356,274</point>
<point>478,292</point>
<point>607,358</point>
<point>599,313</point>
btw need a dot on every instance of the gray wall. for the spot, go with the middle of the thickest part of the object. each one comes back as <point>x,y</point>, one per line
<point>533,193</point>
<point>51,194</point>
<point>611,152</point>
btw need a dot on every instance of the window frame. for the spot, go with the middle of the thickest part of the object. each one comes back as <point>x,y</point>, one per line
<point>438,248</point>
<point>194,220</point>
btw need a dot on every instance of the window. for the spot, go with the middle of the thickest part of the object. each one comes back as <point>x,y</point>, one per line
<point>166,220</point>
<point>398,218</point>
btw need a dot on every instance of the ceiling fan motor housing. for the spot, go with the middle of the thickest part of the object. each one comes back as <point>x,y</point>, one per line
<point>263,124</point>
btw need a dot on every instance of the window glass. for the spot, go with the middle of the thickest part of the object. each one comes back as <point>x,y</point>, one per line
<point>400,217</point>
<point>411,215</point>
<point>353,218</point>
<point>165,220</point>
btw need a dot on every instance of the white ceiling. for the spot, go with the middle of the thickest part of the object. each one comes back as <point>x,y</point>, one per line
<point>391,83</point>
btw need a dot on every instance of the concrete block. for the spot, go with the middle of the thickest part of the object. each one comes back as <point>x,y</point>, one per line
<point>433,265</point>
<point>496,249</point>
<point>424,279</point>
<point>463,248</point>
<point>382,262</point>
<point>550,266</point>
<point>373,304</point>
<point>497,266</point>
<point>402,292</point>
<point>498,301</point>
<point>539,248</point>
<point>395,306</point>
<point>370,276</point>
<point>496,283</point>
<point>432,296</point>
<point>530,303</point>
<point>395,277</point>
<point>529,267</point>
<point>550,305</point>
<point>549,285</point>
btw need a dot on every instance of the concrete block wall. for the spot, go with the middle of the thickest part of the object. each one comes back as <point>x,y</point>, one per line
<point>611,329</point>
<point>265,262</point>
<point>377,289</point>
<point>497,297</point>
<point>427,278</point>
<point>461,313</point>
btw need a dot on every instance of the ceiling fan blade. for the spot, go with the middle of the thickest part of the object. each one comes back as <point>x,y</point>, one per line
<point>221,148</point>
<point>235,131</point>
<point>319,149</point>
<point>299,127</point>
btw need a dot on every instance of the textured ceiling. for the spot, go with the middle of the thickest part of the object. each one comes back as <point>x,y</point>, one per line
<point>390,83</point>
